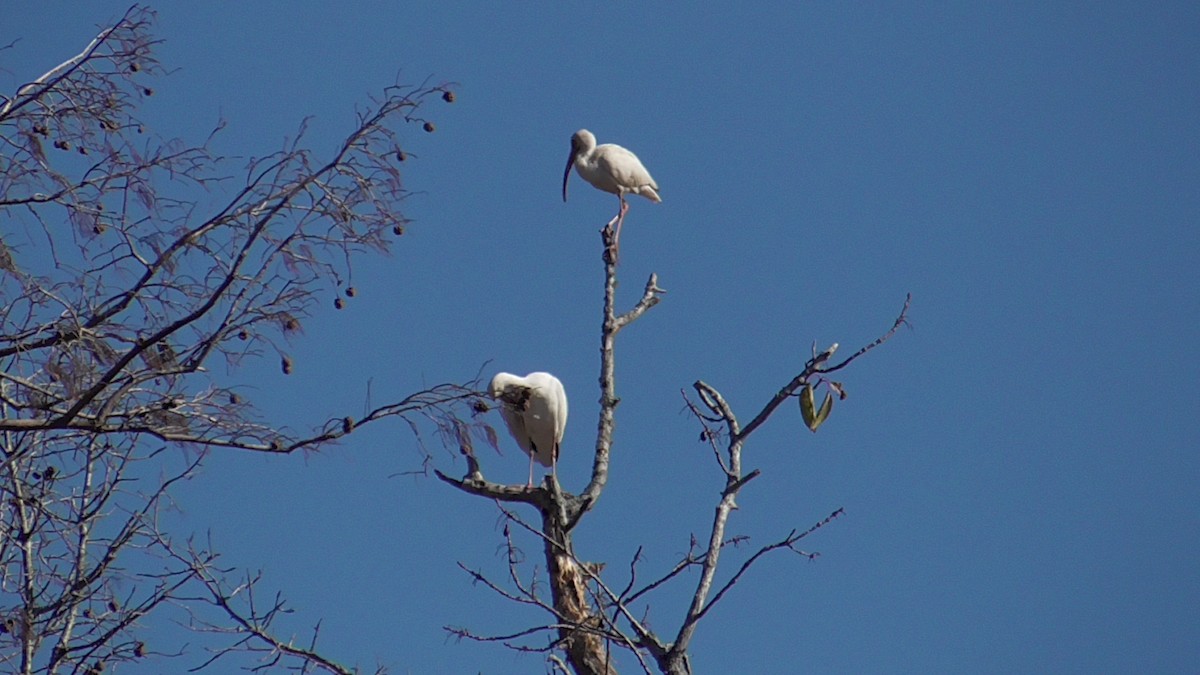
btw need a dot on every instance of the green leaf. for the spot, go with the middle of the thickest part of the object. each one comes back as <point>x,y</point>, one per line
<point>808,408</point>
<point>823,413</point>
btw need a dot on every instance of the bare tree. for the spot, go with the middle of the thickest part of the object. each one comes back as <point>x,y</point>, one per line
<point>587,617</point>
<point>130,265</point>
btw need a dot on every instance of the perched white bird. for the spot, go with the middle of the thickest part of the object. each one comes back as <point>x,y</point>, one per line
<point>610,168</point>
<point>535,409</point>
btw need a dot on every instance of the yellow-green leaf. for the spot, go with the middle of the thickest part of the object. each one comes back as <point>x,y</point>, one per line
<point>823,413</point>
<point>808,409</point>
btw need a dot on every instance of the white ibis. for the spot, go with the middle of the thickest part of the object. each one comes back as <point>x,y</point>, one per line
<point>610,168</point>
<point>535,409</point>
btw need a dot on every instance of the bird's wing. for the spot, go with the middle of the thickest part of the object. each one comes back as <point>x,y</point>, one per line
<point>624,167</point>
<point>516,427</point>
<point>561,395</point>
<point>545,416</point>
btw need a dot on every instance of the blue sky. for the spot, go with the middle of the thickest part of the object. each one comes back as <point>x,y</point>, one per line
<point>1019,470</point>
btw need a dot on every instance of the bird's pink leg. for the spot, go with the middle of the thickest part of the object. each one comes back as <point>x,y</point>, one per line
<point>620,219</point>
<point>530,483</point>
<point>616,246</point>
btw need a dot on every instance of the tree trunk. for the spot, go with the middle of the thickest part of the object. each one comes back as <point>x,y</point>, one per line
<point>586,650</point>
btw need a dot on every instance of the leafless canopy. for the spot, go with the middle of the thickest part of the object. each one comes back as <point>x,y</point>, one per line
<point>131,267</point>
<point>136,274</point>
<point>588,618</point>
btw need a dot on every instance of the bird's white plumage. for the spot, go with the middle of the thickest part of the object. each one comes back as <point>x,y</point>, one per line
<point>609,167</point>
<point>537,419</point>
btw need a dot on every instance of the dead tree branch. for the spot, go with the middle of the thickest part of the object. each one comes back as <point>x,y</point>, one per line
<point>132,268</point>
<point>583,630</point>
<point>730,461</point>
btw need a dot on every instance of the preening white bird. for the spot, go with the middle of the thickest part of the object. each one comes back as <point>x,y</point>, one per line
<point>534,408</point>
<point>610,168</point>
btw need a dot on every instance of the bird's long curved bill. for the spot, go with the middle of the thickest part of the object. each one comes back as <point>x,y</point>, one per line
<point>567,173</point>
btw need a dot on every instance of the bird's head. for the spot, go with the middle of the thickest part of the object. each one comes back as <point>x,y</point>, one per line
<point>510,390</point>
<point>582,142</point>
<point>499,382</point>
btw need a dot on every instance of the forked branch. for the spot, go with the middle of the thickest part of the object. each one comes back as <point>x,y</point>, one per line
<point>730,461</point>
